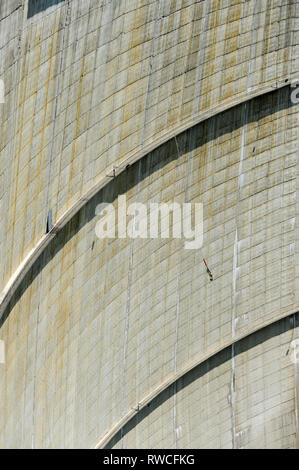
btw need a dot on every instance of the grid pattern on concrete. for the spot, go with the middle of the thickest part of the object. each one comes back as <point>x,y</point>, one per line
<point>98,324</point>
<point>87,83</point>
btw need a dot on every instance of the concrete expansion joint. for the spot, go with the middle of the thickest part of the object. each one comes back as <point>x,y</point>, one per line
<point>26,264</point>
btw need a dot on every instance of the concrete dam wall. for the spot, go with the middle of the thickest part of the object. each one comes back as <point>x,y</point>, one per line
<point>125,342</point>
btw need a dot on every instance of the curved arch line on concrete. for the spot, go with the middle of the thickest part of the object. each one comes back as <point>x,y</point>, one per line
<point>32,256</point>
<point>173,378</point>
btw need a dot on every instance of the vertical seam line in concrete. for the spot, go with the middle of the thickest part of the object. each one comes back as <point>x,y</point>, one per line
<point>200,58</point>
<point>67,9</point>
<point>296,384</point>
<point>152,60</point>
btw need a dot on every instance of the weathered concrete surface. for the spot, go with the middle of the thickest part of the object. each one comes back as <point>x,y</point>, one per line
<point>90,82</point>
<point>94,327</point>
<point>242,397</point>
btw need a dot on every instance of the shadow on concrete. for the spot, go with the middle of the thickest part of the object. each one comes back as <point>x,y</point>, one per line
<point>195,137</point>
<point>36,6</point>
<point>251,341</point>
